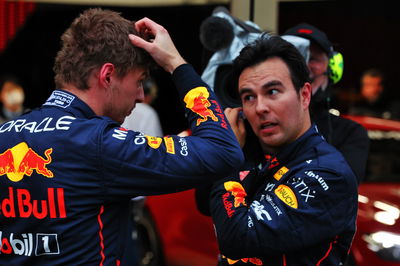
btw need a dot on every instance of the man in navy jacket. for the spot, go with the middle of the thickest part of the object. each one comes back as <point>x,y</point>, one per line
<point>295,200</point>
<point>68,169</point>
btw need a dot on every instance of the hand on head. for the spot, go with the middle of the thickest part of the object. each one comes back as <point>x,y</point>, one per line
<point>157,42</point>
<point>237,124</point>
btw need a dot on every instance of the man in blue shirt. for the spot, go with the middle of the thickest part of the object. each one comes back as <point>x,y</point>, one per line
<point>295,200</point>
<point>68,169</point>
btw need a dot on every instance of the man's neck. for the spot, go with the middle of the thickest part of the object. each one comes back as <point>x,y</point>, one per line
<point>90,96</point>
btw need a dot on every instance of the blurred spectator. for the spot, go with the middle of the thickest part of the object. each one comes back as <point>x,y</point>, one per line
<point>374,99</point>
<point>349,137</point>
<point>12,98</point>
<point>144,117</point>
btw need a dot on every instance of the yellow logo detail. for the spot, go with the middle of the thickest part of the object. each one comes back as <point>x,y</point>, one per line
<point>197,101</point>
<point>287,195</point>
<point>169,144</point>
<point>154,142</point>
<point>237,192</point>
<point>278,175</point>
<point>255,261</point>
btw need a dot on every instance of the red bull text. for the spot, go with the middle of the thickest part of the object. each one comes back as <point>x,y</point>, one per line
<point>19,203</point>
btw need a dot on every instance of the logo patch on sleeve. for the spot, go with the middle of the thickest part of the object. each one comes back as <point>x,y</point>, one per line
<point>281,172</point>
<point>169,144</point>
<point>154,142</point>
<point>197,101</point>
<point>286,195</point>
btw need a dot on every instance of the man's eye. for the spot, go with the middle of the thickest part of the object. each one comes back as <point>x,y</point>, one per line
<point>273,91</point>
<point>247,97</point>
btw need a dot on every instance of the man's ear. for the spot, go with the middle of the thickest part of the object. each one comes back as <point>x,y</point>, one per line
<point>306,92</point>
<point>105,74</point>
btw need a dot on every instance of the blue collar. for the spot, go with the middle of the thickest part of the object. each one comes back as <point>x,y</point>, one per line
<point>69,102</point>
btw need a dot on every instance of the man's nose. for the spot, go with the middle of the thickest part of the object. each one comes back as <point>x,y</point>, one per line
<point>262,105</point>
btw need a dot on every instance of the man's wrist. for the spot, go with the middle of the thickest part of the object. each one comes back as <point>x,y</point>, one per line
<point>175,64</point>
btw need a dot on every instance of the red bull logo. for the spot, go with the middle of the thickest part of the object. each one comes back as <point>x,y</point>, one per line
<point>237,191</point>
<point>273,161</point>
<point>255,261</point>
<point>197,101</point>
<point>21,160</point>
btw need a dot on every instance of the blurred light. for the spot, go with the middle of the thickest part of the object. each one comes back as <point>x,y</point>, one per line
<point>385,244</point>
<point>389,215</point>
<point>363,199</point>
<point>386,239</point>
<point>334,112</point>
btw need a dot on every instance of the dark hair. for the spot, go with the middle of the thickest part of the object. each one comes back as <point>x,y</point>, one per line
<point>94,38</point>
<point>9,78</point>
<point>273,46</point>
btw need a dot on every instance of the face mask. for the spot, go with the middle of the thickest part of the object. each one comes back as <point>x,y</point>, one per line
<point>15,97</point>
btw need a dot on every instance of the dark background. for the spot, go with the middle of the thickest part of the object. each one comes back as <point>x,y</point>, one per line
<point>366,33</point>
<point>30,55</point>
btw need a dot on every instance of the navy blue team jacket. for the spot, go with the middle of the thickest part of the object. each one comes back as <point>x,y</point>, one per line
<point>298,208</point>
<point>67,175</point>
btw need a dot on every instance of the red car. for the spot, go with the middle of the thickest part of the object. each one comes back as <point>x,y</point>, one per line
<point>377,239</point>
<point>172,232</point>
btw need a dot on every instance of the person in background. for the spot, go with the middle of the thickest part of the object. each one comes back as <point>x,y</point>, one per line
<point>12,98</point>
<point>296,202</point>
<point>349,137</point>
<point>373,99</point>
<point>69,170</point>
<point>144,117</point>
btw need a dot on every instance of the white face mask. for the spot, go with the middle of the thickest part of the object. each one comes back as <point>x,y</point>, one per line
<point>14,97</point>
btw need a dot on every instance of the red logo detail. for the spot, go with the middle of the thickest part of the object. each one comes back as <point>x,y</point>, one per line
<point>6,163</point>
<point>34,161</point>
<point>200,107</point>
<point>197,101</point>
<point>21,160</point>
<point>273,161</point>
<point>306,31</point>
<point>19,203</point>
<point>227,204</point>
<point>220,113</point>
<point>243,174</point>
<point>237,192</point>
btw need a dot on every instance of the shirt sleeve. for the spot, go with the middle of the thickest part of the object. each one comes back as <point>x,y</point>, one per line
<point>310,207</point>
<point>137,164</point>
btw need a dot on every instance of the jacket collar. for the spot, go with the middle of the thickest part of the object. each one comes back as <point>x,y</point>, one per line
<point>291,152</point>
<point>69,102</point>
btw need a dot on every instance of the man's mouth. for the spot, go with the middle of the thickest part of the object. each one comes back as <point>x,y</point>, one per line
<point>267,125</point>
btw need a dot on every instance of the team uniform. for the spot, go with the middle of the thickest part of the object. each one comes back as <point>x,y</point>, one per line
<point>298,208</point>
<point>67,175</point>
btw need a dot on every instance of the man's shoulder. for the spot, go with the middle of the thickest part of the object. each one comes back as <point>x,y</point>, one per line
<point>325,156</point>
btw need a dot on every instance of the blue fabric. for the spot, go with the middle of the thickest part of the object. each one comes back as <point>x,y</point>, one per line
<point>298,208</point>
